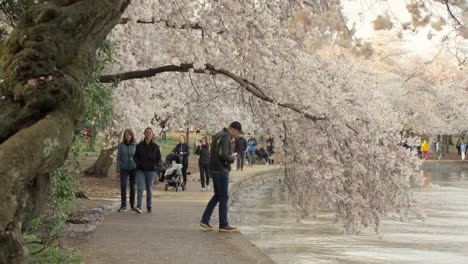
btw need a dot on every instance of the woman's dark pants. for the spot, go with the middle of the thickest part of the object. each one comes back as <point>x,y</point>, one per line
<point>124,175</point>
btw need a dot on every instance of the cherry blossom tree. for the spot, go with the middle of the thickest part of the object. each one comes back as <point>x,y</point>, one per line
<point>262,62</point>
<point>342,120</point>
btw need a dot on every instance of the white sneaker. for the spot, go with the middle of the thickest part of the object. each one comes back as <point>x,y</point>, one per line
<point>203,189</point>
<point>208,188</point>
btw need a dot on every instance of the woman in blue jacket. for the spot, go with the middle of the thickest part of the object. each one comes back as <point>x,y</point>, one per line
<point>126,169</point>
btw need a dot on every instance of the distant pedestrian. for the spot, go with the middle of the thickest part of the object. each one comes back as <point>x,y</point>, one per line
<point>183,150</point>
<point>270,148</point>
<point>147,157</point>
<point>439,149</point>
<point>251,147</point>
<point>126,168</point>
<point>241,148</point>
<point>233,145</point>
<point>221,159</point>
<point>197,138</point>
<point>425,149</point>
<point>203,152</point>
<point>458,146</point>
<point>406,146</point>
<point>463,148</point>
<point>270,144</point>
<point>418,148</point>
<point>262,153</point>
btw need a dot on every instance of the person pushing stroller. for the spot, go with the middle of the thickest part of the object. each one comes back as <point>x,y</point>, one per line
<point>174,172</point>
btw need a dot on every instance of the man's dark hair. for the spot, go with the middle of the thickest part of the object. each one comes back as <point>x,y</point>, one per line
<point>149,129</point>
<point>236,125</point>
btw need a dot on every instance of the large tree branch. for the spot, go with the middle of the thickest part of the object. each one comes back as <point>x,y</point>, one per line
<point>167,23</point>
<point>209,69</point>
<point>451,13</point>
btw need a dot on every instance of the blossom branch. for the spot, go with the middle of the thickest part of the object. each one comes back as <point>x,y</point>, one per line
<point>209,69</point>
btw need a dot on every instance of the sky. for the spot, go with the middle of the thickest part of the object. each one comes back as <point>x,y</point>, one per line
<point>361,13</point>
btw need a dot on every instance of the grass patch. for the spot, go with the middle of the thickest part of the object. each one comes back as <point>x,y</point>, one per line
<point>171,142</point>
<point>51,255</point>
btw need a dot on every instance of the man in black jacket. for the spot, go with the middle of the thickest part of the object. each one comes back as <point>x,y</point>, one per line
<point>221,158</point>
<point>241,148</point>
<point>147,156</point>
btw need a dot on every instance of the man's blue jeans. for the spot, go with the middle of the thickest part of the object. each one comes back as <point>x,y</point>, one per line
<point>145,178</point>
<point>221,195</point>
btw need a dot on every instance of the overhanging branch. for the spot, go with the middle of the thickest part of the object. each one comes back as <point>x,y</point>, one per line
<point>167,23</point>
<point>209,69</point>
<point>451,13</point>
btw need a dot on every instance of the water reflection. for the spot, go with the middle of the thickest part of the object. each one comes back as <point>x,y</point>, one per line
<point>269,220</point>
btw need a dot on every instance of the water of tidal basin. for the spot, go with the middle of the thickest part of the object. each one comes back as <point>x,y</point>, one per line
<point>267,218</point>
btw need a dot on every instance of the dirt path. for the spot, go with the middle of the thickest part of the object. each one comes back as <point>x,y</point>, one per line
<point>171,234</point>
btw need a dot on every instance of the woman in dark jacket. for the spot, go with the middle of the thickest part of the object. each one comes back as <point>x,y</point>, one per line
<point>204,152</point>
<point>126,169</point>
<point>183,150</point>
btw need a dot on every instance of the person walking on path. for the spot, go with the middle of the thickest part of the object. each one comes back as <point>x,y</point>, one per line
<point>418,148</point>
<point>458,146</point>
<point>270,144</point>
<point>198,137</point>
<point>147,157</point>
<point>221,158</point>
<point>241,148</point>
<point>183,150</point>
<point>263,154</point>
<point>126,169</point>
<point>463,148</point>
<point>203,152</point>
<point>251,147</point>
<point>425,149</point>
<point>439,149</point>
<point>233,145</point>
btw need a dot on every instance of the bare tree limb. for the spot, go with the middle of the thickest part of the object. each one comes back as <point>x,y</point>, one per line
<point>167,23</point>
<point>193,85</point>
<point>451,13</point>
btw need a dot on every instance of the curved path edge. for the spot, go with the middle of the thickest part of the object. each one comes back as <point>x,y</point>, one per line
<point>171,234</point>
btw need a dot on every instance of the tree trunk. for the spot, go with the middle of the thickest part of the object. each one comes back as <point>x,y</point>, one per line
<point>44,66</point>
<point>101,167</point>
<point>92,140</point>
<point>187,136</point>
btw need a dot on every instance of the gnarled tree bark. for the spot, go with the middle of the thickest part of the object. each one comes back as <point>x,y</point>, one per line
<point>44,66</point>
<point>101,166</point>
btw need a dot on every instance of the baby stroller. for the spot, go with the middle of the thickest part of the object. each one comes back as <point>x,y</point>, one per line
<point>173,173</point>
